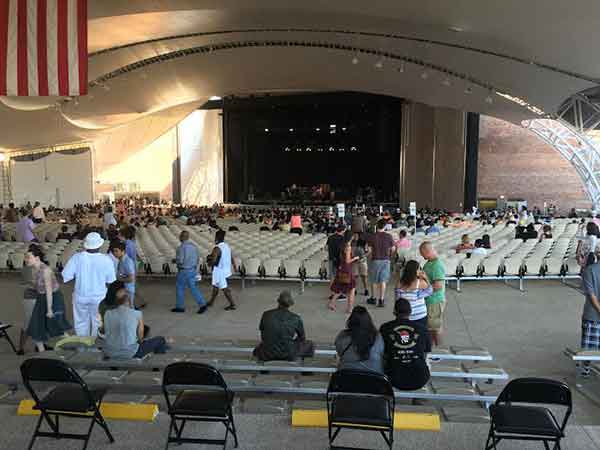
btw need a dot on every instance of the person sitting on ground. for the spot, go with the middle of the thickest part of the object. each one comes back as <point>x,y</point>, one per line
<point>405,346</point>
<point>281,330</point>
<point>546,232</point>
<point>479,248</point>
<point>527,232</point>
<point>124,332</point>
<point>465,244</point>
<point>413,286</point>
<point>360,346</point>
<point>64,233</point>
<point>487,244</point>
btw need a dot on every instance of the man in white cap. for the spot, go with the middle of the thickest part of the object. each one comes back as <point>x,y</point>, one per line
<point>93,272</point>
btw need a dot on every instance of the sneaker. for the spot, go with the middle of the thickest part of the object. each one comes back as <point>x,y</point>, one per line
<point>381,303</point>
<point>342,297</point>
<point>178,310</point>
<point>371,301</point>
<point>202,309</point>
<point>230,308</point>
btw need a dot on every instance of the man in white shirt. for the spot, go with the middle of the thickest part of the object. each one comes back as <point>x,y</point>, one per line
<point>93,272</point>
<point>38,213</point>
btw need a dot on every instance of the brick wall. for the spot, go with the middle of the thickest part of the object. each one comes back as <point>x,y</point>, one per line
<point>517,164</point>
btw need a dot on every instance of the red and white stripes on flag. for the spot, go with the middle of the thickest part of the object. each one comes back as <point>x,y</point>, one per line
<point>43,47</point>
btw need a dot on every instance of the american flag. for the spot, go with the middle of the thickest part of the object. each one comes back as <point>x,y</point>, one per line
<point>43,47</point>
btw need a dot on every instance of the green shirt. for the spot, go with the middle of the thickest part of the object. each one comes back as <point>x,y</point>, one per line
<point>436,271</point>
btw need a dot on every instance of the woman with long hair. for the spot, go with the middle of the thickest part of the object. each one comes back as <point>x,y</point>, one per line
<point>48,318</point>
<point>360,345</point>
<point>344,282</point>
<point>412,285</point>
<point>587,246</point>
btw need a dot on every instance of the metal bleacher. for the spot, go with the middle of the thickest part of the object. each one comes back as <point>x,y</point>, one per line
<point>459,376</point>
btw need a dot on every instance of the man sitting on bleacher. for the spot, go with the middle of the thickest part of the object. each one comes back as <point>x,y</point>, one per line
<point>406,343</point>
<point>282,332</point>
<point>124,332</point>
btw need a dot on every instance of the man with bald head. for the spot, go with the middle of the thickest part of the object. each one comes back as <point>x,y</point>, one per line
<point>187,259</point>
<point>436,273</point>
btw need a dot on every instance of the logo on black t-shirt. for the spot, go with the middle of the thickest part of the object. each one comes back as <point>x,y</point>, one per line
<point>404,337</point>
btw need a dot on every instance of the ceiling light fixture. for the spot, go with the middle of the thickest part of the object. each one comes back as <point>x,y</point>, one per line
<point>424,75</point>
<point>401,68</point>
<point>379,64</point>
<point>355,60</point>
<point>215,98</point>
<point>446,82</point>
<point>489,100</point>
<point>456,29</point>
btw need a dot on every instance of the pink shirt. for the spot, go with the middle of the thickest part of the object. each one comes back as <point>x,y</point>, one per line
<point>296,222</point>
<point>403,243</point>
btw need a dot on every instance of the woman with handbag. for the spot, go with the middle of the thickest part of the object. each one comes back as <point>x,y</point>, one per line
<point>344,282</point>
<point>48,318</point>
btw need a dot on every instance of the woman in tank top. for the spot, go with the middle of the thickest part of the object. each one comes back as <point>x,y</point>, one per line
<point>412,285</point>
<point>48,318</point>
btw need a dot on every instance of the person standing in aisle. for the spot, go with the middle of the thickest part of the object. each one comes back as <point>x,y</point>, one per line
<point>93,272</point>
<point>220,260</point>
<point>187,259</point>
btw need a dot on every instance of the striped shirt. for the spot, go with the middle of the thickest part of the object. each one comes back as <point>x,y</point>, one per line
<point>416,298</point>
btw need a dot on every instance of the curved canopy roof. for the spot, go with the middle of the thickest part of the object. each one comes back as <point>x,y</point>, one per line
<point>514,60</point>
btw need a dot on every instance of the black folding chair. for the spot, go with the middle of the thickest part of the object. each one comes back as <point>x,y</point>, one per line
<point>360,400</point>
<point>515,415</point>
<point>4,334</point>
<point>201,395</point>
<point>70,398</point>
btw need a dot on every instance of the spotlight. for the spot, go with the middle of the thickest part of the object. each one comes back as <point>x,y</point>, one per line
<point>353,149</point>
<point>379,64</point>
<point>308,149</point>
<point>333,125</point>
<point>291,130</point>
<point>343,128</point>
<point>424,75</point>
<point>317,129</point>
<point>468,90</point>
<point>215,98</point>
<point>266,130</point>
<point>287,149</point>
<point>355,60</point>
<point>331,149</point>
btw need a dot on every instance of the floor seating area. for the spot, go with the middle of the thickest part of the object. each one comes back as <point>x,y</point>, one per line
<point>464,381</point>
<point>285,256</point>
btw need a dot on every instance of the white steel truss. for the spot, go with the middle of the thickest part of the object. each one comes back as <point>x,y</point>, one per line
<point>576,147</point>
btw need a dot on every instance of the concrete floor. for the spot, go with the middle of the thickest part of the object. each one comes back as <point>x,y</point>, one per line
<point>525,332</point>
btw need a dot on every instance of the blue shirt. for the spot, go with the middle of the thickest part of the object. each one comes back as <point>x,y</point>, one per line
<point>125,268</point>
<point>187,256</point>
<point>131,250</point>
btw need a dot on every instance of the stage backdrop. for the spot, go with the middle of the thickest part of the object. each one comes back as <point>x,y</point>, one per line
<point>55,179</point>
<point>201,157</point>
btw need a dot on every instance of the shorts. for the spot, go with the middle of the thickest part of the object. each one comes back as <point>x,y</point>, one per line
<point>590,335</point>
<point>360,268</point>
<point>219,280</point>
<point>435,316</point>
<point>28,305</point>
<point>379,271</point>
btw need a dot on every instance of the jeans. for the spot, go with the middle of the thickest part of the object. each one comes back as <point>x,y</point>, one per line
<point>187,278</point>
<point>153,345</point>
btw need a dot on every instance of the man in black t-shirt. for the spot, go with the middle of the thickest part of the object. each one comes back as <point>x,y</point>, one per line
<point>406,344</point>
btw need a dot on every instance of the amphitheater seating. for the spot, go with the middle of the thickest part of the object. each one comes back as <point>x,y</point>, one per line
<point>281,255</point>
